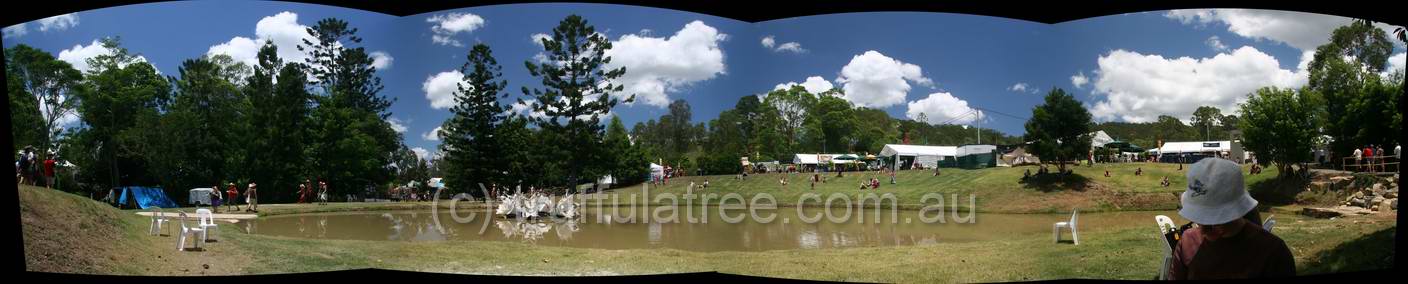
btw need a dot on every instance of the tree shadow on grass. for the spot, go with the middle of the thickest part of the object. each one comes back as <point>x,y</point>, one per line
<point>1056,182</point>
<point>1277,191</point>
<point>1368,252</point>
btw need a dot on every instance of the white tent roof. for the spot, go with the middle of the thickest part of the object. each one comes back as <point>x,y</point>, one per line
<point>918,150</point>
<point>1196,147</point>
<point>812,159</point>
<point>1099,139</point>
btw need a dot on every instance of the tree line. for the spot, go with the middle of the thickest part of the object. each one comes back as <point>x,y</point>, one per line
<point>216,122</point>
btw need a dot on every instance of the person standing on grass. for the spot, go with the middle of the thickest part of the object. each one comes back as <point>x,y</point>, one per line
<point>322,192</point>
<point>49,171</point>
<point>215,199</point>
<point>1224,245</point>
<point>233,194</point>
<point>251,196</point>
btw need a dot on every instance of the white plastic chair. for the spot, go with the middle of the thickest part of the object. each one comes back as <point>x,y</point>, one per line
<point>158,220</point>
<point>1165,225</point>
<point>1269,224</point>
<point>1056,229</point>
<point>188,232</point>
<point>206,221</point>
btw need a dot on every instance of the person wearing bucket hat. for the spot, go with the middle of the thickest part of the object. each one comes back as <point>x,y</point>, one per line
<point>1224,245</point>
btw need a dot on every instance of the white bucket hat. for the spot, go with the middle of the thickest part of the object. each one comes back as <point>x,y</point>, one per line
<point>1216,194</point>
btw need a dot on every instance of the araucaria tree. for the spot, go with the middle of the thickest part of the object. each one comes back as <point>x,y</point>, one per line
<point>1059,129</point>
<point>577,91</point>
<point>472,150</point>
<point>352,142</point>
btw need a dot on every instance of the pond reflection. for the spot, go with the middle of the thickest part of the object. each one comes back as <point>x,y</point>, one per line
<point>785,232</point>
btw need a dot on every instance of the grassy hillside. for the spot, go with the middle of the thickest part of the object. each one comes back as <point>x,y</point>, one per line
<point>995,189</point>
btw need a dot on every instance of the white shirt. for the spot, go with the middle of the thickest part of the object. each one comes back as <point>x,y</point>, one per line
<point>1358,153</point>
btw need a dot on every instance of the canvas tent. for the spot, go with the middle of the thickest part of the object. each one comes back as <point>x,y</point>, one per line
<point>436,183</point>
<point>822,159</point>
<point>143,197</point>
<point>1099,139</point>
<point>977,156</point>
<point>928,156</point>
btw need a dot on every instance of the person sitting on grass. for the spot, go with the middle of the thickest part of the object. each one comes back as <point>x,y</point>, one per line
<point>1107,173</point>
<point>1139,171</point>
<point>936,171</point>
<point>706,183</point>
<point>1165,182</point>
<point>864,184</point>
<point>1026,175</point>
<point>874,183</point>
<point>1224,245</point>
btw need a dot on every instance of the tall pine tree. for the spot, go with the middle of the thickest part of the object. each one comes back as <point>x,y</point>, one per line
<point>577,91</point>
<point>471,145</point>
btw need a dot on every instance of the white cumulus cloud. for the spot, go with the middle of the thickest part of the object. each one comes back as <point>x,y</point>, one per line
<point>17,30</point>
<point>1215,43</point>
<point>58,23</point>
<point>381,60</point>
<point>1138,87</point>
<point>282,29</point>
<point>440,88</point>
<point>872,79</point>
<point>433,135</point>
<point>657,66</point>
<point>813,84</point>
<point>447,25</point>
<point>1021,87</point>
<point>421,153</point>
<point>1304,31</point>
<point>770,42</point>
<point>396,124</point>
<point>78,55</point>
<point>943,108</point>
<point>1395,63</point>
<point>1079,80</point>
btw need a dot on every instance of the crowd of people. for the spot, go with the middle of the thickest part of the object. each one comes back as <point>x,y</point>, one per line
<point>35,170</point>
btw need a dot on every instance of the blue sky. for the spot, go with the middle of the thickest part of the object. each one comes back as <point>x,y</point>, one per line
<point>953,68</point>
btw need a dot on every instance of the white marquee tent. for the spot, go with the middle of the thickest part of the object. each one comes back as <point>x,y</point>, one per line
<point>929,156</point>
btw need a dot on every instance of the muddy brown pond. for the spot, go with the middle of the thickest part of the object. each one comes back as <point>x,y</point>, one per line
<point>610,230</point>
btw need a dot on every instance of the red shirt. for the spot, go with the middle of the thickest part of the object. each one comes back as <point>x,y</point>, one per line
<point>49,168</point>
<point>1251,253</point>
<point>1368,152</point>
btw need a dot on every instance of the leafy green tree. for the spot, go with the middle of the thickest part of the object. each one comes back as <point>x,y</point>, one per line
<point>51,82</point>
<point>352,142</point>
<point>123,98</point>
<point>831,124</point>
<point>577,90</point>
<point>1278,124</point>
<point>1059,129</point>
<point>1376,110</point>
<point>470,145</point>
<point>202,124</point>
<point>26,122</point>
<point>791,105</point>
<point>278,124</point>
<point>1204,118</point>
<point>1340,81</point>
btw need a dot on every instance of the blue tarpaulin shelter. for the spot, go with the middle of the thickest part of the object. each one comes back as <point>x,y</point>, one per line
<point>143,197</point>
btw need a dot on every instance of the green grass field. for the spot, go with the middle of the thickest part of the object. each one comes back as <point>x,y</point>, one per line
<point>995,190</point>
<point>69,233</point>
